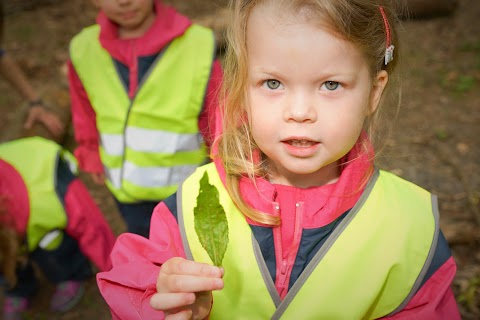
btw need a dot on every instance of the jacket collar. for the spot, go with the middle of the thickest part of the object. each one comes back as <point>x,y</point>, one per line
<point>326,203</point>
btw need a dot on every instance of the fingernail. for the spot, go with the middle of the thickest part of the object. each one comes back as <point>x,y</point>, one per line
<point>219,283</point>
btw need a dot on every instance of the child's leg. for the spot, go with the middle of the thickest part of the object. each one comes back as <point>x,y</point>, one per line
<point>137,216</point>
<point>68,268</point>
<point>86,222</point>
<point>26,285</point>
<point>66,262</point>
<point>16,298</point>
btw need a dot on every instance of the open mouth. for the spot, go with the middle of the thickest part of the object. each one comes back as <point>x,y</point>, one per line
<point>300,143</point>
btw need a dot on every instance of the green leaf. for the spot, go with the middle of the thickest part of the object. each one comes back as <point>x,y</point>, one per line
<point>211,223</point>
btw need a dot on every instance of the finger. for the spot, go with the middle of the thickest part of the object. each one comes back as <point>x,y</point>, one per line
<point>57,124</point>
<point>187,283</point>
<point>181,315</point>
<point>57,129</point>
<point>57,132</point>
<point>29,122</point>
<point>203,304</point>
<point>182,266</point>
<point>169,301</point>
<point>34,114</point>
<point>53,123</point>
<point>98,178</point>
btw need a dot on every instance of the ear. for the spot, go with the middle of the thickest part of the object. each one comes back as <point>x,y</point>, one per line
<point>379,84</point>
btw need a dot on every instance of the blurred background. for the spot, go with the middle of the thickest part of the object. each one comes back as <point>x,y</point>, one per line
<point>435,140</point>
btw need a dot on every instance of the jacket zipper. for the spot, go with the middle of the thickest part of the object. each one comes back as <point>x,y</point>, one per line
<point>285,266</point>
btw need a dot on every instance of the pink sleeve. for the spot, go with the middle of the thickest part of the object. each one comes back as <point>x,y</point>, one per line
<point>84,125</point>
<point>88,226</point>
<point>129,285</point>
<point>206,121</point>
<point>434,300</point>
<point>13,198</point>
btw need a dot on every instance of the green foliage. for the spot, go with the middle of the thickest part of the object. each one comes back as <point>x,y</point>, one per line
<point>441,134</point>
<point>456,83</point>
<point>471,46</point>
<point>464,84</point>
<point>211,223</point>
<point>469,297</point>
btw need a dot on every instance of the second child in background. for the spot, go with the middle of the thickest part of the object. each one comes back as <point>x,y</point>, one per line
<point>47,217</point>
<point>143,85</point>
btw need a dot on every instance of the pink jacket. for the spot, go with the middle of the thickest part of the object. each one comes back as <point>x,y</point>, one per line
<point>85,221</point>
<point>167,26</point>
<point>127,288</point>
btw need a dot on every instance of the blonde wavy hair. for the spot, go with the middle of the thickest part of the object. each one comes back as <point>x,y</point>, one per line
<point>358,21</point>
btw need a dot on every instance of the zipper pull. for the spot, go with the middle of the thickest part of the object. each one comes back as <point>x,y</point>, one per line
<point>283,274</point>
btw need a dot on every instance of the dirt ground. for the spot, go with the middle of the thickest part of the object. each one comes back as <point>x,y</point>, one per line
<point>435,142</point>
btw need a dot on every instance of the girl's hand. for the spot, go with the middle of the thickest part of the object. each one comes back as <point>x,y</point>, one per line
<point>184,289</point>
<point>97,178</point>
<point>49,119</point>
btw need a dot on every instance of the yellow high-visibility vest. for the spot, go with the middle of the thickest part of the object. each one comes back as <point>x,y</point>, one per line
<point>370,267</point>
<point>36,160</point>
<point>150,143</point>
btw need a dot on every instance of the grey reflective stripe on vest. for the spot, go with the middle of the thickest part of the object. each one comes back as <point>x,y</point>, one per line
<point>431,254</point>
<point>147,140</point>
<point>161,141</point>
<point>181,223</point>
<point>267,278</point>
<point>113,144</point>
<point>149,176</point>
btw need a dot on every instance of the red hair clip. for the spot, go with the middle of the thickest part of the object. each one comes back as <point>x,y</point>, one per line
<point>389,46</point>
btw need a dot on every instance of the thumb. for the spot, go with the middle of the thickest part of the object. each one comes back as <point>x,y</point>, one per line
<point>30,120</point>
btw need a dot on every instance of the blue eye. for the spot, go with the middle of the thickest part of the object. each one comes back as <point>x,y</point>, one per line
<point>331,85</point>
<point>273,84</point>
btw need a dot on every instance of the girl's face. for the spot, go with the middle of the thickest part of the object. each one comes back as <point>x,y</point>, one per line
<point>133,17</point>
<point>309,94</point>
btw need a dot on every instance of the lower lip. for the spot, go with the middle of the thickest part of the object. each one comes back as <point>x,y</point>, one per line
<point>129,15</point>
<point>301,152</point>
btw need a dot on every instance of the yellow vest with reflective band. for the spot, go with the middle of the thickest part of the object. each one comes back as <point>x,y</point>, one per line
<point>150,143</point>
<point>36,159</point>
<point>370,267</point>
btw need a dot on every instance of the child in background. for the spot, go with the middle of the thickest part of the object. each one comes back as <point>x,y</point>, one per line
<point>10,70</point>
<point>315,230</point>
<point>143,85</point>
<point>47,217</point>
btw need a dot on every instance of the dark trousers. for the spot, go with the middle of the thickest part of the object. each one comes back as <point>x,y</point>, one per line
<point>137,216</point>
<point>64,263</point>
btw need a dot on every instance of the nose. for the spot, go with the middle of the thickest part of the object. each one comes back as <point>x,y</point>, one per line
<point>301,108</point>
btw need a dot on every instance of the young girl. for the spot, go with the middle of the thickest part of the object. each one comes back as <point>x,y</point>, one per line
<point>314,230</point>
